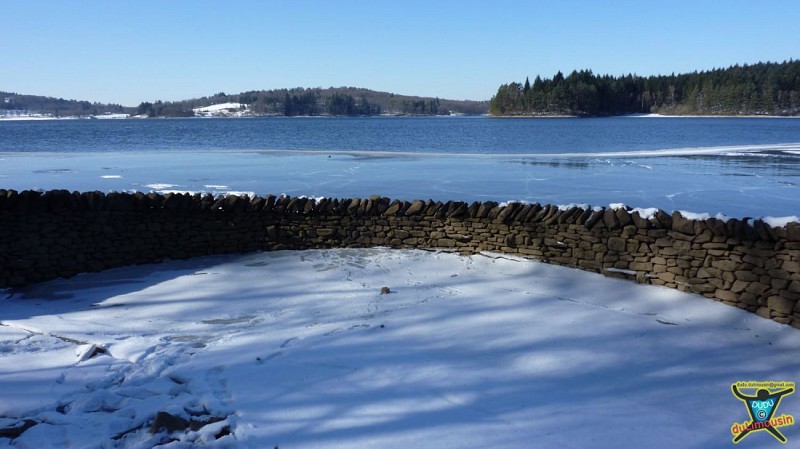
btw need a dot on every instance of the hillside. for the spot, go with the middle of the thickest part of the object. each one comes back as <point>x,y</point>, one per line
<point>759,89</point>
<point>17,104</point>
<point>336,101</point>
<point>339,101</point>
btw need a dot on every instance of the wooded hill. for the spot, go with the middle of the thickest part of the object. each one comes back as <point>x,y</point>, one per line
<point>759,89</point>
<point>339,101</point>
<point>11,103</point>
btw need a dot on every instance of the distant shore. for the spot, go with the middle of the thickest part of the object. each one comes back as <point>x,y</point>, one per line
<point>546,116</point>
<point>41,117</point>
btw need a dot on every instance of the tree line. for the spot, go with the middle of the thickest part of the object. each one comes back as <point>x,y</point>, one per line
<point>758,89</point>
<point>14,103</point>
<point>334,101</point>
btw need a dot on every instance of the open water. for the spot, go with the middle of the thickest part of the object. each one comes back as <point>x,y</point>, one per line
<point>734,166</point>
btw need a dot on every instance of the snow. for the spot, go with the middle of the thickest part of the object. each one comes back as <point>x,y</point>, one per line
<point>779,222</point>
<point>219,107</point>
<point>300,349</point>
<point>647,212</point>
<point>159,186</point>
<point>565,207</point>
<point>110,116</point>
<point>223,110</point>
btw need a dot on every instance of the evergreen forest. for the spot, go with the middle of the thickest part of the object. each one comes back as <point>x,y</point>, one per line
<point>758,89</point>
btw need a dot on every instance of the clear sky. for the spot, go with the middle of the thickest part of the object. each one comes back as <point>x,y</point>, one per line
<point>132,51</point>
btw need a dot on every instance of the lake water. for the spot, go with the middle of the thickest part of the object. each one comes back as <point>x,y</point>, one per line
<point>735,166</point>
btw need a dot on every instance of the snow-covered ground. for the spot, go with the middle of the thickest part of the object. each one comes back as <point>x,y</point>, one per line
<point>223,110</point>
<point>301,350</point>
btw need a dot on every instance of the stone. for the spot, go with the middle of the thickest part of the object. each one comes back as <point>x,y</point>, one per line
<point>617,244</point>
<point>623,217</point>
<point>416,207</point>
<point>739,286</point>
<point>702,288</point>
<point>610,219</point>
<point>18,428</point>
<point>664,219</point>
<point>393,208</point>
<point>446,243</point>
<point>726,295</point>
<point>792,296</point>
<point>168,422</point>
<point>385,290</point>
<point>725,265</point>
<point>792,232</point>
<point>791,266</point>
<point>594,219</point>
<point>640,222</point>
<point>326,232</point>
<point>780,305</point>
<point>641,266</point>
<point>763,312</point>
<point>682,224</point>
<point>747,276</point>
<point>757,288</point>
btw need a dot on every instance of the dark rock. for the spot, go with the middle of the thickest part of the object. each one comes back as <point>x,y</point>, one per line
<point>617,244</point>
<point>682,224</point>
<point>168,422</point>
<point>624,216</point>
<point>664,219</point>
<point>610,219</point>
<point>596,217</point>
<point>417,206</point>
<point>17,429</point>
<point>459,210</point>
<point>485,208</point>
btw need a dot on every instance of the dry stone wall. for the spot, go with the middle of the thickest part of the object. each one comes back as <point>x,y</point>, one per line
<point>744,263</point>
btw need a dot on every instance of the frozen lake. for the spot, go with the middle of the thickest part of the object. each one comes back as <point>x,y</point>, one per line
<point>737,167</point>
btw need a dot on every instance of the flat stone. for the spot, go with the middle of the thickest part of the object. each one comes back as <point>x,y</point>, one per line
<point>726,295</point>
<point>780,305</point>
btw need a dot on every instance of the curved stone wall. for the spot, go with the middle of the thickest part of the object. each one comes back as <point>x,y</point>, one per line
<point>747,264</point>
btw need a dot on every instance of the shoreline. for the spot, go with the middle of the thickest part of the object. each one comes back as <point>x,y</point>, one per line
<point>22,118</point>
<point>546,116</point>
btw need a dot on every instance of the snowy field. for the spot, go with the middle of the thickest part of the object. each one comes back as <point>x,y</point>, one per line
<point>301,350</point>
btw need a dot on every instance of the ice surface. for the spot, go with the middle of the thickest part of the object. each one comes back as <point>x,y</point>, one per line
<point>762,184</point>
<point>300,349</point>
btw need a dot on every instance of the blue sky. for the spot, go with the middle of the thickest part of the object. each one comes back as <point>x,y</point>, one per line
<point>133,51</point>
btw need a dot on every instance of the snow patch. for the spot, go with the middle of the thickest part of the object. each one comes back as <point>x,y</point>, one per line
<point>160,186</point>
<point>223,110</point>
<point>646,213</point>
<point>509,202</point>
<point>780,222</point>
<point>694,215</point>
<point>564,207</point>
